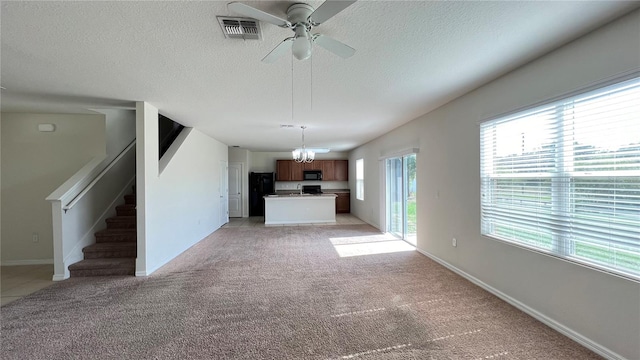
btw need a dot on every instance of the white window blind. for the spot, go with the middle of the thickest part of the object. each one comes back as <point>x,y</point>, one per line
<point>564,178</point>
<point>360,179</point>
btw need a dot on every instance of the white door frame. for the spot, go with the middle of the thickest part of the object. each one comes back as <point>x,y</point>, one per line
<point>224,192</point>
<point>239,196</point>
<point>382,173</point>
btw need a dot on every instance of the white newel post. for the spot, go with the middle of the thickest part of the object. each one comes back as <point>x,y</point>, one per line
<point>60,271</point>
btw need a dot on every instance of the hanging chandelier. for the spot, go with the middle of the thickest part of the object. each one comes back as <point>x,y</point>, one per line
<point>303,155</point>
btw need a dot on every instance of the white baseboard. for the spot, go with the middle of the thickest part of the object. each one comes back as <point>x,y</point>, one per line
<point>59,277</point>
<point>26,262</point>
<point>367,222</point>
<point>579,338</point>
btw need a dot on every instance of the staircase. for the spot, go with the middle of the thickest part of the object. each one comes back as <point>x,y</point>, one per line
<point>114,252</point>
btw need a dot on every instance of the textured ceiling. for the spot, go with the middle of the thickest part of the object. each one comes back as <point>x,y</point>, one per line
<point>411,58</point>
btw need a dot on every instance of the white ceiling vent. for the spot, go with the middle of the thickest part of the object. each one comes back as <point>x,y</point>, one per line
<point>240,28</point>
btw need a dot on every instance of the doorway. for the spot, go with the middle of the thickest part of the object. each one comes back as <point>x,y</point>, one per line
<point>401,191</point>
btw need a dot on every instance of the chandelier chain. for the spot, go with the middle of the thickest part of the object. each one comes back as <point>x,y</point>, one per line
<point>301,155</point>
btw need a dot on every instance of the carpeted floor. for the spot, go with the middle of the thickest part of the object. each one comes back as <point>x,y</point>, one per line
<point>279,293</point>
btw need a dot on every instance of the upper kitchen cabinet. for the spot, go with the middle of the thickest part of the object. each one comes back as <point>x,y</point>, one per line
<point>283,170</point>
<point>328,170</point>
<point>332,170</point>
<point>297,170</point>
<point>316,165</point>
<point>289,170</point>
<point>341,170</point>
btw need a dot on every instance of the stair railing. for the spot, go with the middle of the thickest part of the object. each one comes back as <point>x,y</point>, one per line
<point>86,189</point>
<point>93,191</point>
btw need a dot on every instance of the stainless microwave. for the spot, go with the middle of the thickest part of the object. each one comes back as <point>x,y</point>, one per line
<point>312,175</point>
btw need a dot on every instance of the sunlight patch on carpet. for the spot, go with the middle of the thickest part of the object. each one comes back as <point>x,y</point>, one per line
<point>369,245</point>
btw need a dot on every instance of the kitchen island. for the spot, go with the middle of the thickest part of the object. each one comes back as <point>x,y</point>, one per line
<point>299,209</point>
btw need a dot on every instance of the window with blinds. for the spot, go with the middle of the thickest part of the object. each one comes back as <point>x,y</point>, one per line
<point>360,179</point>
<point>564,178</point>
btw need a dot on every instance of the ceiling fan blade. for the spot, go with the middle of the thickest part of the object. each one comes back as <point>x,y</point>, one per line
<point>278,51</point>
<point>327,10</point>
<point>252,12</point>
<point>334,45</point>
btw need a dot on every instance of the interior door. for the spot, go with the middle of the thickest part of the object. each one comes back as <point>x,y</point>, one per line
<point>224,193</point>
<point>235,190</point>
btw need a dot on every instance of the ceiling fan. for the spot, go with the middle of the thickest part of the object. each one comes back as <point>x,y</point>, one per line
<point>301,18</point>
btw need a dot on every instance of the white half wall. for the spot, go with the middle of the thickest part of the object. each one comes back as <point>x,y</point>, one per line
<point>33,165</point>
<point>599,310</point>
<point>180,206</point>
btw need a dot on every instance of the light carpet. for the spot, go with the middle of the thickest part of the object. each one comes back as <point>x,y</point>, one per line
<point>279,293</point>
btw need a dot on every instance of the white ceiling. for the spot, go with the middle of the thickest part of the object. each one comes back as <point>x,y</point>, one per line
<point>411,58</point>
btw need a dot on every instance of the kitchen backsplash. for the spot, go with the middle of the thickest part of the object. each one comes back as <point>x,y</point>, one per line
<point>292,185</point>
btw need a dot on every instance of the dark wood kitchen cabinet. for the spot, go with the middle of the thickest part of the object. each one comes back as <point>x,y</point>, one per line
<point>283,170</point>
<point>327,170</point>
<point>316,165</point>
<point>332,170</point>
<point>341,170</point>
<point>297,171</point>
<point>343,203</point>
<point>289,170</point>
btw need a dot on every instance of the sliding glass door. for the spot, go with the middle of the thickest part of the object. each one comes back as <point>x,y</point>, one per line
<point>401,197</point>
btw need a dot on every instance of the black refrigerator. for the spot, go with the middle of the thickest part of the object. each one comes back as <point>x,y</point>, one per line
<point>260,184</point>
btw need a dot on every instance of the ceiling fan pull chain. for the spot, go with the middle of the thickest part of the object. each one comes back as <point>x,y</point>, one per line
<point>292,88</point>
<point>311,92</point>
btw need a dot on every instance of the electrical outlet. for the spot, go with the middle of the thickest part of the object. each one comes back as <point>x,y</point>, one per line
<point>454,242</point>
<point>35,237</point>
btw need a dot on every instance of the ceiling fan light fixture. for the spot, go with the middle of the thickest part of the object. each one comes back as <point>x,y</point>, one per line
<point>301,18</point>
<point>301,44</point>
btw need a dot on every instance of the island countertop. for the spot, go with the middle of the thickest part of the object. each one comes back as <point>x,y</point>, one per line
<point>299,209</point>
<point>296,195</point>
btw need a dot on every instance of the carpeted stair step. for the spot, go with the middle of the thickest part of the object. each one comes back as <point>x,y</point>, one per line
<point>103,267</point>
<point>130,199</point>
<point>121,222</point>
<point>126,210</point>
<point>110,250</point>
<point>116,235</point>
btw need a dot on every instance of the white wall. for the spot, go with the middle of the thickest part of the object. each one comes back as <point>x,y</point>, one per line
<point>601,310</point>
<point>120,130</point>
<point>180,206</point>
<point>34,164</point>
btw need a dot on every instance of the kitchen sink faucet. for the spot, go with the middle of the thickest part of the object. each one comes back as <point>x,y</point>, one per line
<point>300,188</point>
